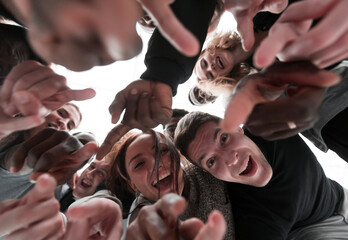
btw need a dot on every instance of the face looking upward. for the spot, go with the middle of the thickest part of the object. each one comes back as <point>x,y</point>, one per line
<point>231,157</point>
<point>65,118</point>
<point>212,65</point>
<point>90,178</point>
<point>140,161</point>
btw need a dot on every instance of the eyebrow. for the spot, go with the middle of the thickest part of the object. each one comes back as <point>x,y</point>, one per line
<point>217,130</point>
<point>135,157</point>
<point>138,155</point>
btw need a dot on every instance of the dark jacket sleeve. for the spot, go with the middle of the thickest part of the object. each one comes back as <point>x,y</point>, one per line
<point>164,63</point>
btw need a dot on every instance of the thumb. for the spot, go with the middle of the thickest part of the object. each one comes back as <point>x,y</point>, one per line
<point>44,189</point>
<point>245,28</point>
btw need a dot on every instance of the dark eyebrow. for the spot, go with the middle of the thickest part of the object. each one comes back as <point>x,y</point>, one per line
<point>217,130</point>
<point>133,158</point>
<point>136,156</point>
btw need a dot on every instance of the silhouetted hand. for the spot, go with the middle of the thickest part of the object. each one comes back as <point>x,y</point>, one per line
<point>291,37</point>
<point>265,87</point>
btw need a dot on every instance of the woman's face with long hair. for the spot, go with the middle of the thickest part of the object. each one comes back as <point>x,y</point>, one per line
<point>140,166</point>
<point>213,64</point>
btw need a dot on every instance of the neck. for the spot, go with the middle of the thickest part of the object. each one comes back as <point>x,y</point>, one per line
<point>18,8</point>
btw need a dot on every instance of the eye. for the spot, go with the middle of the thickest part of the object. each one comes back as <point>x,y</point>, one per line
<point>139,164</point>
<point>210,163</point>
<point>60,113</point>
<point>164,151</point>
<point>223,138</point>
<point>204,63</point>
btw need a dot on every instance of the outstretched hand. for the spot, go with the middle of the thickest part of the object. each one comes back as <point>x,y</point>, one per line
<point>146,104</point>
<point>292,38</point>
<point>267,86</point>
<point>98,218</point>
<point>42,82</point>
<point>35,216</point>
<point>170,26</point>
<point>160,221</point>
<point>245,10</point>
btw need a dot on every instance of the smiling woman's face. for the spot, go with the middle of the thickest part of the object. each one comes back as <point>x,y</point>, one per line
<point>212,65</point>
<point>140,160</point>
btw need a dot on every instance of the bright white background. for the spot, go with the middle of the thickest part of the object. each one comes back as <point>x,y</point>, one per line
<point>108,80</point>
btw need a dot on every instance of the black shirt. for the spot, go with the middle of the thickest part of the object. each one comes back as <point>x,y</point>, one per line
<point>164,63</point>
<point>298,194</point>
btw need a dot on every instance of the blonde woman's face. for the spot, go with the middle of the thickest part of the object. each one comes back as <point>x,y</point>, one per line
<point>213,65</point>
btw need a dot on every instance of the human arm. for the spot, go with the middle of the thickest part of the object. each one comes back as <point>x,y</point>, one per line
<point>267,86</point>
<point>292,38</point>
<point>160,221</point>
<point>35,216</point>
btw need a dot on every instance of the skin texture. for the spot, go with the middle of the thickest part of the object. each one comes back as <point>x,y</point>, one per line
<point>159,221</point>
<point>291,37</point>
<point>90,178</point>
<point>35,216</point>
<point>228,155</point>
<point>98,218</point>
<point>50,151</point>
<point>265,87</point>
<point>212,65</point>
<point>30,76</point>
<point>147,104</point>
<point>140,161</point>
<point>91,34</point>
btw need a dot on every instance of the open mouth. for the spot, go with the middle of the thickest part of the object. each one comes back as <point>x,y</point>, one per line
<point>249,168</point>
<point>86,183</point>
<point>164,181</point>
<point>220,63</point>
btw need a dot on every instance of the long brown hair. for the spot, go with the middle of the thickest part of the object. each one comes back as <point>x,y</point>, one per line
<point>118,181</point>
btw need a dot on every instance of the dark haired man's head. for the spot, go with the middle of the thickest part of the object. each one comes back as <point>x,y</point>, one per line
<point>229,156</point>
<point>187,128</point>
<point>169,128</point>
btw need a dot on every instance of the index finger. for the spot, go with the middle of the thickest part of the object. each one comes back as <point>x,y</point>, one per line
<point>13,76</point>
<point>169,26</point>
<point>113,136</point>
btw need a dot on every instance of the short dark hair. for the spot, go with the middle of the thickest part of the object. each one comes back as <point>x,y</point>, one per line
<point>179,112</point>
<point>187,128</point>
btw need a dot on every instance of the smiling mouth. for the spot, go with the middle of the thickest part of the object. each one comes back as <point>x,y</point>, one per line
<point>248,167</point>
<point>163,180</point>
<point>220,63</point>
<point>86,183</point>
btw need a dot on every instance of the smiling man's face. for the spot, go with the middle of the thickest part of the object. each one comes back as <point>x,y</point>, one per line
<point>231,157</point>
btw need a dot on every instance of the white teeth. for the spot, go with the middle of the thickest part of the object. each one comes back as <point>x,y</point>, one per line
<point>160,177</point>
<point>86,182</point>
<point>248,162</point>
<point>220,62</point>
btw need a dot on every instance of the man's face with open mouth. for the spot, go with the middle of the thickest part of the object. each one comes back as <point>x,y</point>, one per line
<point>231,157</point>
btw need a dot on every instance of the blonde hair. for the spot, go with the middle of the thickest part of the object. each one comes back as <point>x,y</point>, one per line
<point>227,41</point>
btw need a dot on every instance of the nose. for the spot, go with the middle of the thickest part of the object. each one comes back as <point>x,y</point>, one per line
<point>62,124</point>
<point>232,158</point>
